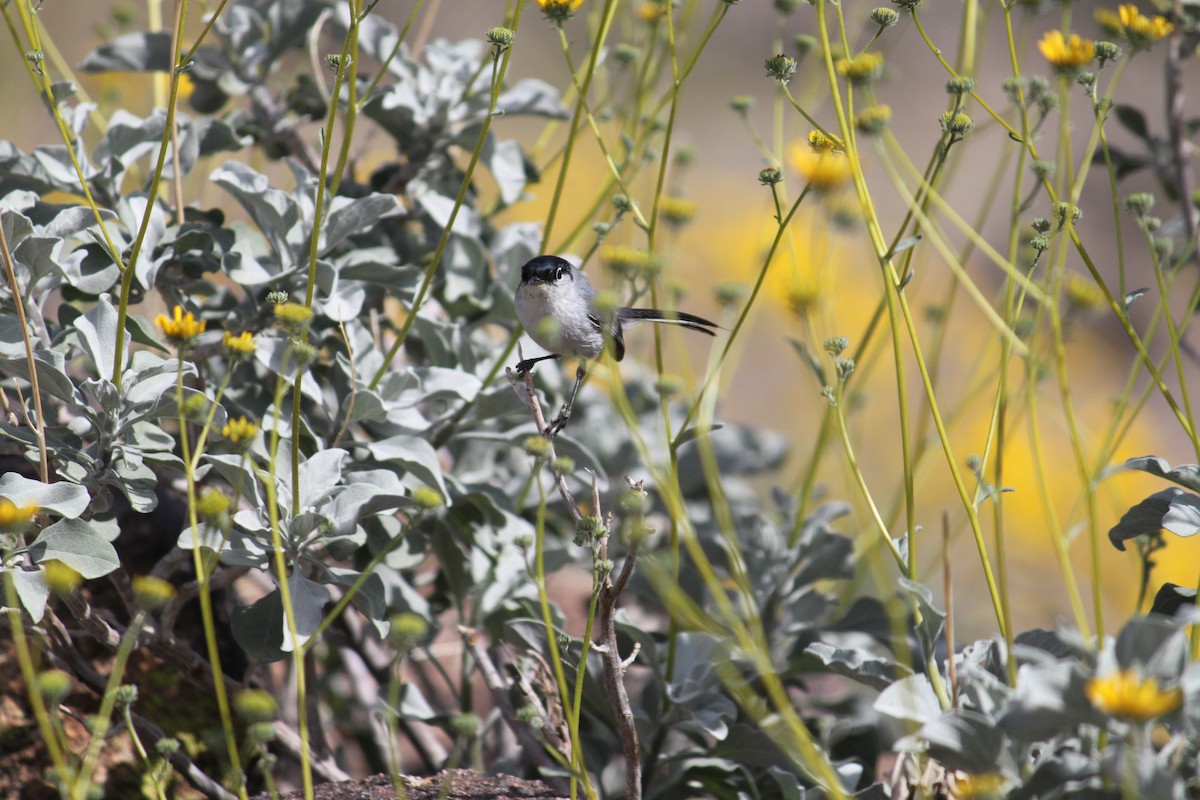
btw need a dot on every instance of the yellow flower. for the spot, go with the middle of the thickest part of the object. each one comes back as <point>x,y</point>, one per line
<point>651,12</point>
<point>1140,30</point>
<point>151,593</point>
<point>804,295</point>
<point>1067,55</point>
<point>1110,22</point>
<point>239,431</point>
<point>822,142</point>
<point>14,517</point>
<point>976,787</point>
<point>1082,293</point>
<point>861,69</point>
<point>629,262</point>
<point>292,314</point>
<point>180,328</point>
<point>823,170</point>
<point>559,10</point>
<point>62,578</point>
<point>1127,695</point>
<point>677,210</point>
<point>238,346</point>
<point>873,119</point>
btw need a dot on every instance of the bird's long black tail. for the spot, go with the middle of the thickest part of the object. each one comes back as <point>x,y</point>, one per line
<point>682,318</point>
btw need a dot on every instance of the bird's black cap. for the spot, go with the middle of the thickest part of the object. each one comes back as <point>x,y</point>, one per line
<point>542,268</point>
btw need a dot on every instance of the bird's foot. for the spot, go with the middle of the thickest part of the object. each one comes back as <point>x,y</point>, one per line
<point>558,423</point>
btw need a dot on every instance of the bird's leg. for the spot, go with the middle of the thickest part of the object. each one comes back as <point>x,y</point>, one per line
<point>527,364</point>
<point>560,421</point>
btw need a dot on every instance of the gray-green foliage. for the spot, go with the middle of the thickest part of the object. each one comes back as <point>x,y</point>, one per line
<point>438,419</point>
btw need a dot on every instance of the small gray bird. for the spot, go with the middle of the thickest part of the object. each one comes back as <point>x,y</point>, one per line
<point>552,289</point>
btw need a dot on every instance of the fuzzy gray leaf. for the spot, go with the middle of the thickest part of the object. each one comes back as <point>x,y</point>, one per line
<point>74,543</point>
<point>858,664</point>
<point>145,51</point>
<point>1186,475</point>
<point>61,498</point>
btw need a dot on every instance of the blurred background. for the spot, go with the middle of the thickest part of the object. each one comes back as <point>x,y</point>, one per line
<point>826,282</point>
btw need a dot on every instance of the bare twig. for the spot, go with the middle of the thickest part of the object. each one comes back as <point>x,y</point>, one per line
<point>193,668</point>
<point>67,656</point>
<point>614,666</point>
<point>1177,125</point>
<point>39,422</point>
<point>528,398</point>
<point>949,588</point>
<point>534,748</point>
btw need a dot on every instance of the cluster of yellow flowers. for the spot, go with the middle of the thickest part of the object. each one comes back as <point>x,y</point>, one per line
<point>1128,695</point>
<point>1067,54</point>
<point>180,328</point>
<point>819,163</point>
<point>1134,26</point>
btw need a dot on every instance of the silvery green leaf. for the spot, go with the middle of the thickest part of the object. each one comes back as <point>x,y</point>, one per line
<point>506,162</point>
<point>143,51</point>
<point>371,598</point>
<point>308,599</point>
<point>1146,517</point>
<point>1183,515</point>
<point>133,208</point>
<point>533,96</point>
<point>1052,774</point>
<point>204,535</point>
<point>1049,698</point>
<point>320,475</point>
<point>32,589</point>
<point>1186,475</point>
<point>377,265</point>
<point>258,628</point>
<point>51,373</point>
<point>60,498</point>
<point>413,454</point>
<point>74,543</point>
<point>127,139</point>
<point>148,383</point>
<point>964,740</point>
<point>274,211</point>
<point>247,550</point>
<point>340,300</point>
<point>512,246</point>
<point>376,36</point>
<point>858,664</point>
<point>1132,295</point>
<point>1173,598</point>
<point>467,221</point>
<point>97,336</point>
<point>1153,645</point>
<point>911,699</point>
<point>413,704</point>
<point>348,216</point>
<point>49,260</point>
<point>932,620</point>
<point>136,481</point>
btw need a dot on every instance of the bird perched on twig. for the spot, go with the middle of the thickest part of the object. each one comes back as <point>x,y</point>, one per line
<point>557,306</point>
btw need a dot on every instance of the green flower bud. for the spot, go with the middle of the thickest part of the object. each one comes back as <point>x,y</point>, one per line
<point>770,176</point>
<point>1139,203</point>
<point>255,705</point>
<point>956,123</point>
<point>780,67</point>
<point>885,17</point>
<point>500,36</point>
<point>836,345</point>
<point>960,85</point>
<point>428,498</point>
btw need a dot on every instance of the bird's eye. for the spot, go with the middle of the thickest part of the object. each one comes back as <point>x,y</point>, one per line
<point>559,273</point>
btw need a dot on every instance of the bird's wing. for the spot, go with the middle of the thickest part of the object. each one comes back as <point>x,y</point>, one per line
<point>612,330</point>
